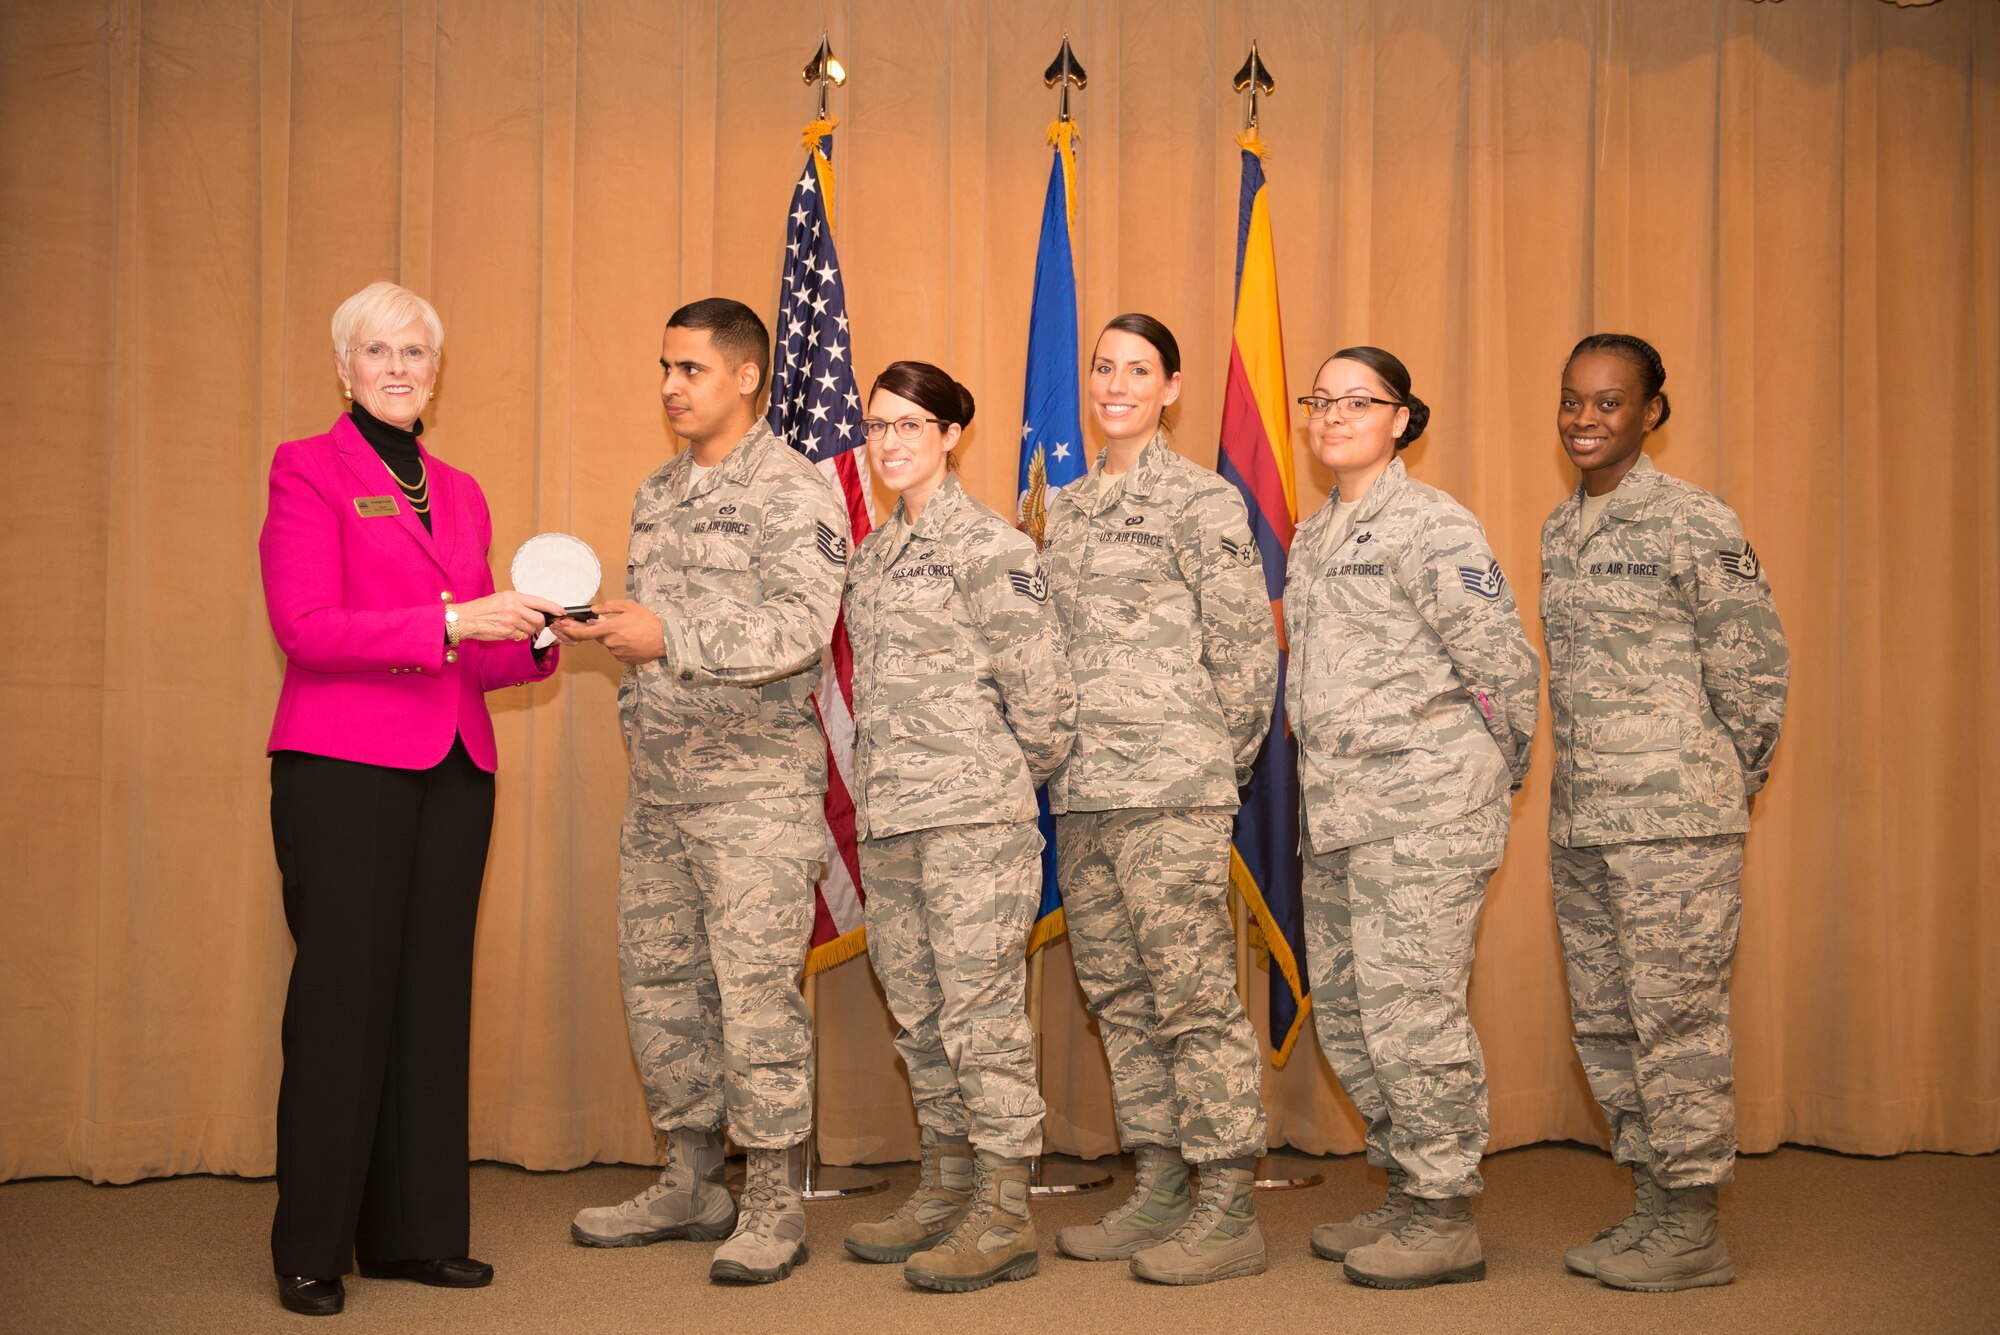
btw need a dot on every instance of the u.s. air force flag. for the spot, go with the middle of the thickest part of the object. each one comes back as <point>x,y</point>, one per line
<point>1052,452</point>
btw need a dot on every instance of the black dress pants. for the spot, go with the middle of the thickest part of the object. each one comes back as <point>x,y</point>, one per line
<point>381,875</point>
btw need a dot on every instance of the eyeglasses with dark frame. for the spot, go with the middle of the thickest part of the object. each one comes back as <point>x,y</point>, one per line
<point>1353,407</point>
<point>906,428</point>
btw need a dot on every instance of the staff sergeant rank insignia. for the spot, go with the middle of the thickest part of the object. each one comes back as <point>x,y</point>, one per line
<point>1486,582</point>
<point>831,545</point>
<point>1741,564</point>
<point>1034,585</point>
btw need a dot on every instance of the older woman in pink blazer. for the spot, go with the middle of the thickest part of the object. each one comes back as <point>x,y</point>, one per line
<point>382,757</point>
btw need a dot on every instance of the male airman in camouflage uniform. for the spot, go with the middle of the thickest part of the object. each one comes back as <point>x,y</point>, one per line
<point>1175,654</point>
<point>1413,693</point>
<point>738,555</point>
<point>963,706</point>
<point>1667,680</point>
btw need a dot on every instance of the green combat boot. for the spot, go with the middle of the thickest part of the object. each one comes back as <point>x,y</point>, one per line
<point>1220,1240</point>
<point>994,1240</point>
<point>1682,1250</point>
<point>944,1191</point>
<point>1332,1242</point>
<point>1439,1244</point>
<point>770,1236</point>
<point>1160,1203</point>
<point>1583,1257</point>
<point>689,1201</point>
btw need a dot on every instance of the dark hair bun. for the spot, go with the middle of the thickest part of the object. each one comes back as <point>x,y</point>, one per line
<point>930,388</point>
<point>1420,417</point>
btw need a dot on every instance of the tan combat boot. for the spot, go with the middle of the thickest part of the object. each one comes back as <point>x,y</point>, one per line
<point>1220,1239</point>
<point>1333,1242</point>
<point>689,1201</point>
<point>1438,1245</point>
<point>1160,1203</point>
<point>1682,1250</point>
<point>1583,1257</point>
<point>944,1191</point>
<point>770,1236</point>
<point>995,1239</point>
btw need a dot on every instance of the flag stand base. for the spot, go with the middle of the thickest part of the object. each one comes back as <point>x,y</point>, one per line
<point>824,1182</point>
<point>818,1181</point>
<point>1281,1172</point>
<point>1064,1176</point>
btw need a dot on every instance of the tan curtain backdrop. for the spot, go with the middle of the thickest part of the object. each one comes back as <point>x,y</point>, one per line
<point>1799,203</point>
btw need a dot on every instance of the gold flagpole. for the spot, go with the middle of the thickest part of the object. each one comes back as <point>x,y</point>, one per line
<point>822,1182</point>
<point>1048,1177</point>
<point>1274,1172</point>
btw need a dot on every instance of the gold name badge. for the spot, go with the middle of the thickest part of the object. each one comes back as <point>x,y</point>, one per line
<point>375,507</point>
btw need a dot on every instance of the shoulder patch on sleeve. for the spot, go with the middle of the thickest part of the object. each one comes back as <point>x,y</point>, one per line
<point>831,545</point>
<point>1030,584</point>
<point>1244,553</point>
<point>1486,580</point>
<point>1743,565</point>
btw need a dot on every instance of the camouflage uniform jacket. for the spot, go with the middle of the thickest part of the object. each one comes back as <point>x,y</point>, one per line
<point>1171,636</point>
<point>962,698</point>
<point>744,568</point>
<point>1413,687</point>
<point>1667,665</point>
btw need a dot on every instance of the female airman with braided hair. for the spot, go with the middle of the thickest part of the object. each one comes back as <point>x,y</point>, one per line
<point>1667,678</point>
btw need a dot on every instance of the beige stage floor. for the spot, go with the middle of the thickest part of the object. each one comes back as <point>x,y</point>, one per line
<point>1822,1242</point>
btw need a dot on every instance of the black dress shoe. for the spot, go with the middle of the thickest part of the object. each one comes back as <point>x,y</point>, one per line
<point>453,1272</point>
<point>311,1297</point>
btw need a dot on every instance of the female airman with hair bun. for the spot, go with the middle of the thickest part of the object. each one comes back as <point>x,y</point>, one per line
<point>963,706</point>
<point>1413,695</point>
<point>1153,567</point>
<point>1667,680</point>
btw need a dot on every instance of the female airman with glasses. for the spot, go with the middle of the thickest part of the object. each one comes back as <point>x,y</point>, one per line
<point>962,707</point>
<point>1412,692</point>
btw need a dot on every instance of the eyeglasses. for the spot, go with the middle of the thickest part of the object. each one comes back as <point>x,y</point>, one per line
<point>377,352</point>
<point>906,428</point>
<point>1353,407</point>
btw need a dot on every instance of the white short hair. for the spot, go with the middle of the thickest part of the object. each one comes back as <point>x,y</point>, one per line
<point>379,310</point>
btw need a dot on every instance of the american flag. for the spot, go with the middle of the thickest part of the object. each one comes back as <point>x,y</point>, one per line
<point>816,407</point>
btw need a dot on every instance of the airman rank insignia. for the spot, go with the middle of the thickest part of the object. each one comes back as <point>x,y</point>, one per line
<point>1243,553</point>
<point>1741,564</point>
<point>831,545</point>
<point>1031,584</point>
<point>1485,581</point>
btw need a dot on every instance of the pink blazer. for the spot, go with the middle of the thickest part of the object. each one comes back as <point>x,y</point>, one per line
<point>357,603</point>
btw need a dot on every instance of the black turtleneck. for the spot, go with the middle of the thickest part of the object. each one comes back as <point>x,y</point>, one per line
<point>398,449</point>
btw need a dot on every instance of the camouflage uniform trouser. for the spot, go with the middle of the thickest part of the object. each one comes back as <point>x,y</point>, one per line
<point>715,909</point>
<point>1648,934</point>
<point>1389,939</point>
<point>1144,897</point>
<point>948,916</point>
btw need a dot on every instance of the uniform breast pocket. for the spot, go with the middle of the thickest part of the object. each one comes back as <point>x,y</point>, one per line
<point>719,567</point>
<point>1630,747</point>
<point>1144,605</point>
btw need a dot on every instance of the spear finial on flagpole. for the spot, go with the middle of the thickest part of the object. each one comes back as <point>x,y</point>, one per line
<point>1254,79</point>
<point>824,70</point>
<point>1062,72</point>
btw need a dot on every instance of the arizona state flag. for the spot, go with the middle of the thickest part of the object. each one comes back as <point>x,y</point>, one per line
<point>1052,452</point>
<point>1256,455</point>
